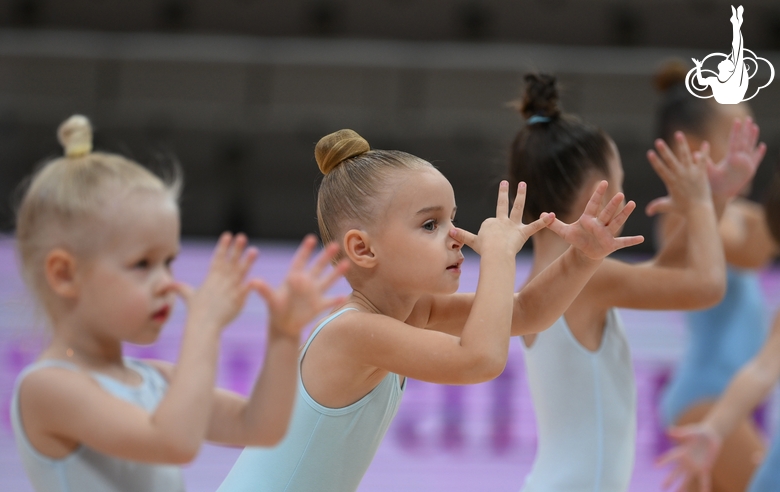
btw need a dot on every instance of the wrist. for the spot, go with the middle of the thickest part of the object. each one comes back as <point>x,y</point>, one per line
<point>581,259</point>
<point>283,332</point>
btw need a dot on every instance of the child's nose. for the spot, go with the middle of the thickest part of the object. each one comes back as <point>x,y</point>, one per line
<point>165,283</point>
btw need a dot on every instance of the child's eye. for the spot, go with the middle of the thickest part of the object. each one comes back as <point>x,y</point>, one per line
<point>169,262</point>
<point>430,225</point>
<point>141,264</point>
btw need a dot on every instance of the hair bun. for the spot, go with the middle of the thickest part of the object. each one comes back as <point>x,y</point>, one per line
<point>540,97</point>
<point>337,147</point>
<point>75,136</point>
<point>671,73</point>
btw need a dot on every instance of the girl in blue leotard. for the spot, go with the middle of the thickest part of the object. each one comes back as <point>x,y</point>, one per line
<point>701,443</point>
<point>723,338</point>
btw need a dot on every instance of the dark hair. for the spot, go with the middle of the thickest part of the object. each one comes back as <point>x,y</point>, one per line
<point>554,152</point>
<point>772,206</point>
<point>679,110</point>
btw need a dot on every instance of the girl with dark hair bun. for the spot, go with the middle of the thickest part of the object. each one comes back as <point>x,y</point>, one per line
<point>579,369</point>
<point>725,337</point>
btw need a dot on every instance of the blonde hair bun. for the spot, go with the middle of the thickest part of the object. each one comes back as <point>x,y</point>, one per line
<point>337,147</point>
<point>75,136</point>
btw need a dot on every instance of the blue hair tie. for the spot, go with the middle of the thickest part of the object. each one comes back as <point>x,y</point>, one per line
<point>537,118</point>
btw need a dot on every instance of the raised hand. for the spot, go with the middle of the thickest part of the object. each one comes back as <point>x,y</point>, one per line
<point>506,230</point>
<point>301,296</point>
<point>693,458</point>
<point>683,173</point>
<point>594,232</point>
<point>223,293</point>
<point>729,176</point>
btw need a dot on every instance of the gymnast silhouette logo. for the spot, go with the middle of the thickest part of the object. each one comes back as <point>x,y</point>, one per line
<point>730,84</point>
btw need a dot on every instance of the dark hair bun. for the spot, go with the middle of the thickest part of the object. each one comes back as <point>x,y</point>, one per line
<point>337,147</point>
<point>540,97</point>
<point>671,73</point>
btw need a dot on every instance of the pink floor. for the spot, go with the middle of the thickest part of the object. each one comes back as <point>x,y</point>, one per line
<point>445,438</point>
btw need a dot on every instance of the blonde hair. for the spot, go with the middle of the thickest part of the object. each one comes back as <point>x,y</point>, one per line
<point>354,175</point>
<point>68,195</point>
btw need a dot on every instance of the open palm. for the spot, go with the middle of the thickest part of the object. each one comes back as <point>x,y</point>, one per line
<point>301,296</point>
<point>594,232</point>
<point>693,458</point>
<point>729,176</point>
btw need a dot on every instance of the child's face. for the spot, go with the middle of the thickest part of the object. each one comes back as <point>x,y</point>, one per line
<point>126,289</point>
<point>415,251</point>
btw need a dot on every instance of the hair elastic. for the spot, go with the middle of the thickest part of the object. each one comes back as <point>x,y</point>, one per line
<point>537,118</point>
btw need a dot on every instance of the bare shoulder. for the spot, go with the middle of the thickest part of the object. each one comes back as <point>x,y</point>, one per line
<point>49,382</point>
<point>52,392</point>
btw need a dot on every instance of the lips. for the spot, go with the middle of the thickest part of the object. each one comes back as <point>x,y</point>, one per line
<point>455,266</point>
<point>161,314</point>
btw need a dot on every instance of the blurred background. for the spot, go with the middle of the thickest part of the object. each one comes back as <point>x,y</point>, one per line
<point>239,91</point>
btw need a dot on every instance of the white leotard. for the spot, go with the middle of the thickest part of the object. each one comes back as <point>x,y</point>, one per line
<point>585,405</point>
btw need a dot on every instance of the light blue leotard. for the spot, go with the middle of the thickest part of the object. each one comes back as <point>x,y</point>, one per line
<point>721,340</point>
<point>86,470</point>
<point>326,449</point>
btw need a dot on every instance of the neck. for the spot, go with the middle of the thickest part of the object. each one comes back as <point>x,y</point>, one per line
<point>78,343</point>
<point>383,300</point>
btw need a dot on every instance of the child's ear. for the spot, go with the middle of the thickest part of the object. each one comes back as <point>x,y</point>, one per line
<point>357,247</point>
<point>60,272</point>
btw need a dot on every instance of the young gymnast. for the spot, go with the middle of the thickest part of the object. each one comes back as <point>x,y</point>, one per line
<point>579,370</point>
<point>723,338</point>
<point>702,443</point>
<point>97,234</point>
<point>392,214</point>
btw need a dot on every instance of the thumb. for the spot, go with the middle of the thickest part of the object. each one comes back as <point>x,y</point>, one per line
<point>558,227</point>
<point>463,236</point>
<point>661,205</point>
<point>184,291</point>
<point>543,221</point>
<point>262,288</point>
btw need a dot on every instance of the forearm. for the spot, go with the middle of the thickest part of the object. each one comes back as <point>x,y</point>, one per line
<point>183,415</point>
<point>536,308</point>
<point>746,391</point>
<point>705,259</point>
<point>674,237</point>
<point>486,332</point>
<point>267,413</point>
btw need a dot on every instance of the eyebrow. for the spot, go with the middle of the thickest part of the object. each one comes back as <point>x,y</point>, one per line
<point>435,208</point>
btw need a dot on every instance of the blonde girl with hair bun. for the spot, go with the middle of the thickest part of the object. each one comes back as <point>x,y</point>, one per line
<point>97,235</point>
<point>392,215</point>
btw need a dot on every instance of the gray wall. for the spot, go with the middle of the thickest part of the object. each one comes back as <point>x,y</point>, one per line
<point>242,114</point>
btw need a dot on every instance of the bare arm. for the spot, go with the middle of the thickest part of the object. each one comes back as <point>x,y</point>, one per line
<point>697,283</point>
<point>262,420</point>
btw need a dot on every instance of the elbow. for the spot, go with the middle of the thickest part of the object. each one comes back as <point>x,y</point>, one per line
<point>707,291</point>
<point>486,367</point>
<point>180,453</point>
<point>714,289</point>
